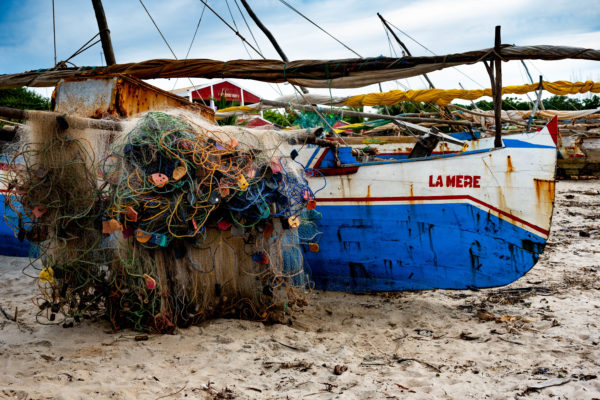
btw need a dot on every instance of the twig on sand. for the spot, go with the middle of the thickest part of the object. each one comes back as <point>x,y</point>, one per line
<point>7,316</point>
<point>301,365</point>
<point>433,367</point>
<point>172,394</point>
<point>511,341</point>
<point>547,384</point>
<point>289,346</point>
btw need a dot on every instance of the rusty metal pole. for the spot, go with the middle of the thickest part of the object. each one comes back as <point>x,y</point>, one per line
<point>498,89</point>
<point>109,55</point>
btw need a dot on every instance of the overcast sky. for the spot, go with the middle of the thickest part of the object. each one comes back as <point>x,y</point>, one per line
<point>442,26</point>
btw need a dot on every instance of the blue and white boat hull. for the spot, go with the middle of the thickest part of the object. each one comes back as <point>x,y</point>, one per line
<point>467,220</point>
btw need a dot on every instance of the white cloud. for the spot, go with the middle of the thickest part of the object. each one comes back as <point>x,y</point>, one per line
<point>441,25</point>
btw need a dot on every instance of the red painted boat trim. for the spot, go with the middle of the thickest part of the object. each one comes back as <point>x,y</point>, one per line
<point>337,171</point>
<point>553,129</point>
<point>320,159</point>
<point>407,152</point>
<point>458,197</point>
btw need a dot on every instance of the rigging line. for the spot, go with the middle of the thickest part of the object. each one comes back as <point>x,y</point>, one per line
<point>232,28</point>
<point>260,54</point>
<point>167,43</point>
<point>237,33</point>
<point>392,50</point>
<point>231,14</point>
<point>195,33</point>
<point>426,48</point>
<point>323,30</point>
<point>54,31</point>
<point>236,27</point>
<point>84,48</point>
<point>158,29</point>
<point>393,53</point>
<point>188,52</point>
<point>237,4</point>
<point>526,94</point>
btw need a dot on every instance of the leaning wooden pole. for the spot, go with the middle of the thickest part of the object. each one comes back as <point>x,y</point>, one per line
<point>268,34</point>
<point>70,121</point>
<point>401,43</point>
<point>538,102</point>
<point>109,55</point>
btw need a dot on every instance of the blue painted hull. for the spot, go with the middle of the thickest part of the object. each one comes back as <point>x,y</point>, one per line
<point>419,246</point>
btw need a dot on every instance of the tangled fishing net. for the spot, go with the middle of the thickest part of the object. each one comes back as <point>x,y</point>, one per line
<point>173,222</point>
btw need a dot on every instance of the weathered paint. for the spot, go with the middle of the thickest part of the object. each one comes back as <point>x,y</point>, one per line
<point>509,166</point>
<point>118,96</point>
<point>410,234</point>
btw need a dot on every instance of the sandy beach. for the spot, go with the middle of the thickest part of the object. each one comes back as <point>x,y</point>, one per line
<point>535,339</point>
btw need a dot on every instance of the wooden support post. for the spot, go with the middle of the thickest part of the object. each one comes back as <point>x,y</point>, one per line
<point>497,85</point>
<point>109,55</point>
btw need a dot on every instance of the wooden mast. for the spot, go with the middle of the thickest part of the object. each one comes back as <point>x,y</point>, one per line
<point>494,69</point>
<point>109,55</point>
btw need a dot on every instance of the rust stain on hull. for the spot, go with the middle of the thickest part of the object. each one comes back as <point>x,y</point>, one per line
<point>544,190</point>
<point>509,165</point>
<point>118,96</point>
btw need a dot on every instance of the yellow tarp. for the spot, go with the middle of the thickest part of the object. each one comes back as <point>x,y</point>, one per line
<point>444,97</point>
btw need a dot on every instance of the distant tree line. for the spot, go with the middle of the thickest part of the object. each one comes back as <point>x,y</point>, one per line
<point>508,103</point>
<point>551,103</point>
<point>23,99</point>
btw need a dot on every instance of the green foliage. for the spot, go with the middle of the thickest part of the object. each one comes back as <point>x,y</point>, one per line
<point>592,102</point>
<point>569,103</point>
<point>508,103</point>
<point>407,107</point>
<point>551,103</point>
<point>274,116</point>
<point>223,103</point>
<point>353,120</point>
<point>23,99</point>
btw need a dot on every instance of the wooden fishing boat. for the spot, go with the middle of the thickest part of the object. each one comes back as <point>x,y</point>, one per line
<point>478,218</point>
<point>452,219</point>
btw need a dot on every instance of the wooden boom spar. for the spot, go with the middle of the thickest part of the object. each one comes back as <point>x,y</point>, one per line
<point>344,73</point>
